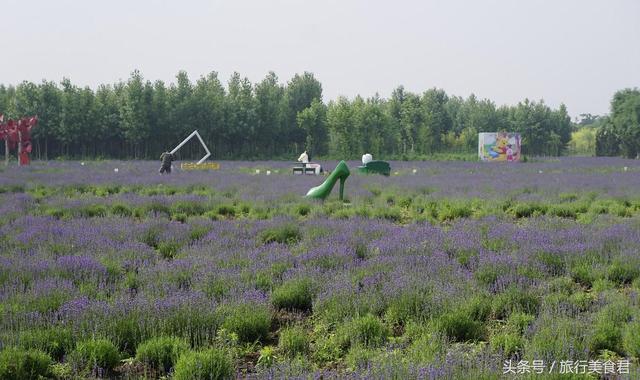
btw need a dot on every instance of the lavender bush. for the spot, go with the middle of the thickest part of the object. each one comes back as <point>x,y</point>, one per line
<point>442,270</point>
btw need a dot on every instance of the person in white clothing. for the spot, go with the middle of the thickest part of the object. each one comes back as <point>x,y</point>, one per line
<point>366,158</point>
<point>304,158</point>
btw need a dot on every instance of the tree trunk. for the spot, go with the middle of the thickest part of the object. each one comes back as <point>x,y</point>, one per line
<point>19,147</point>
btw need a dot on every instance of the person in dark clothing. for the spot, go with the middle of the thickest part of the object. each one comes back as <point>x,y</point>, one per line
<point>167,158</point>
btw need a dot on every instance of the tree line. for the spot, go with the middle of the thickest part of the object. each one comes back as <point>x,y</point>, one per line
<point>138,118</point>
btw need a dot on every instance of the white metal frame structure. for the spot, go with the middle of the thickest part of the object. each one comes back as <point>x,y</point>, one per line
<point>195,133</point>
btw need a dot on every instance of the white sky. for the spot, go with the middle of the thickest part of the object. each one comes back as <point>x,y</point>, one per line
<point>574,51</point>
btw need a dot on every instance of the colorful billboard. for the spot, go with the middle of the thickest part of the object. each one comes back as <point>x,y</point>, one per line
<point>499,146</point>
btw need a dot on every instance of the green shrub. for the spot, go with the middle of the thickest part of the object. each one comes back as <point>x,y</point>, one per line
<point>601,285</point>
<point>157,207</point>
<point>226,211</point>
<point>211,364</point>
<point>294,294</point>
<point>264,280</point>
<point>526,210</point>
<point>452,211</point>
<point>286,234</point>
<point>169,249</point>
<point>508,343</point>
<point>367,331</point>
<point>392,213</point>
<point>99,353</point>
<point>20,364</point>
<point>293,341</point>
<point>519,322</point>
<point>161,353</point>
<point>631,339</point>
<point>621,273</point>
<point>607,335</point>
<point>55,341</point>
<point>303,209</point>
<point>408,305</point>
<point>327,347</point>
<point>198,232</point>
<point>478,307</point>
<point>212,214</point>
<point>584,273</point>
<point>57,213</point>
<point>556,337</point>
<point>553,263</point>
<point>267,357</point>
<point>249,322</point>
<point>459,326</point>
<point>359,357</point>
<point>92,211</point>
<point>425,348</point>
<point>121,209</point>
<point>125,332</point>
<point>188,208</point>
<point>179,217</point>
<point>151,236</point>
<point>514,299</point>
<point>216,287</point>
<point>566,210</point>
<point>488,274</point>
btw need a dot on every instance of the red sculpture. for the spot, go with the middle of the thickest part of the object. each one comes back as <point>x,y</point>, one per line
<point>17,134</point>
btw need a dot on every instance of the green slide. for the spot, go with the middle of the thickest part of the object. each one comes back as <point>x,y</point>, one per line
<point>321,192</point>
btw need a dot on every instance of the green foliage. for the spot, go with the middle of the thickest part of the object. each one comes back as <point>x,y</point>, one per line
<point>519,322</point>
<point>508,343</point>
<point>515,299</point>
<point>606,335</point>
<point>169,249</point>
<point>623,273</point>
<point>583,142</point>
<point>56,341</point>
<point>100,353</point>
<point>136,118</point>
<point>425,347</point>
<point>161,353</point>
<point>367,331</point>
<point>249,322</point>
<point>211,364</point>
<point>359,357</point>
<point>459,326</point>
<point>293,341</point>
<point>556,336</point>
<point>20,364</point>
<point>409,305</point>
<point>584,273</point>
<point>226,211</point>
<point>267,357</point>
<point>125,332</point>
<point>526,210</point>
<point>294,294</point>
<point>288,233</point>
<point>631,339</point>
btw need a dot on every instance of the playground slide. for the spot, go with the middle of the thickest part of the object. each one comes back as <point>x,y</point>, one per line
<point>341,172</point>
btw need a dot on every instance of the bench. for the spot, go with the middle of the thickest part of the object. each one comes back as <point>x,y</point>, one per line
<point>301,167</point>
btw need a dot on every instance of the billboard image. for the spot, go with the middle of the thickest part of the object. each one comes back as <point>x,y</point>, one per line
<point>499,146</point>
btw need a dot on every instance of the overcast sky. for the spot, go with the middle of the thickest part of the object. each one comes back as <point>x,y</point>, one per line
<point>577,52</point>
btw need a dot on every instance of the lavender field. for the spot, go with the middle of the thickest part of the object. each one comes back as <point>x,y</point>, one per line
<point>444,270</point>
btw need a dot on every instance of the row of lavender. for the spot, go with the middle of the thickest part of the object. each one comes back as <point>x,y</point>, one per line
<point>574,286</point>
<point>304,295</point>
<point>608,176</point>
